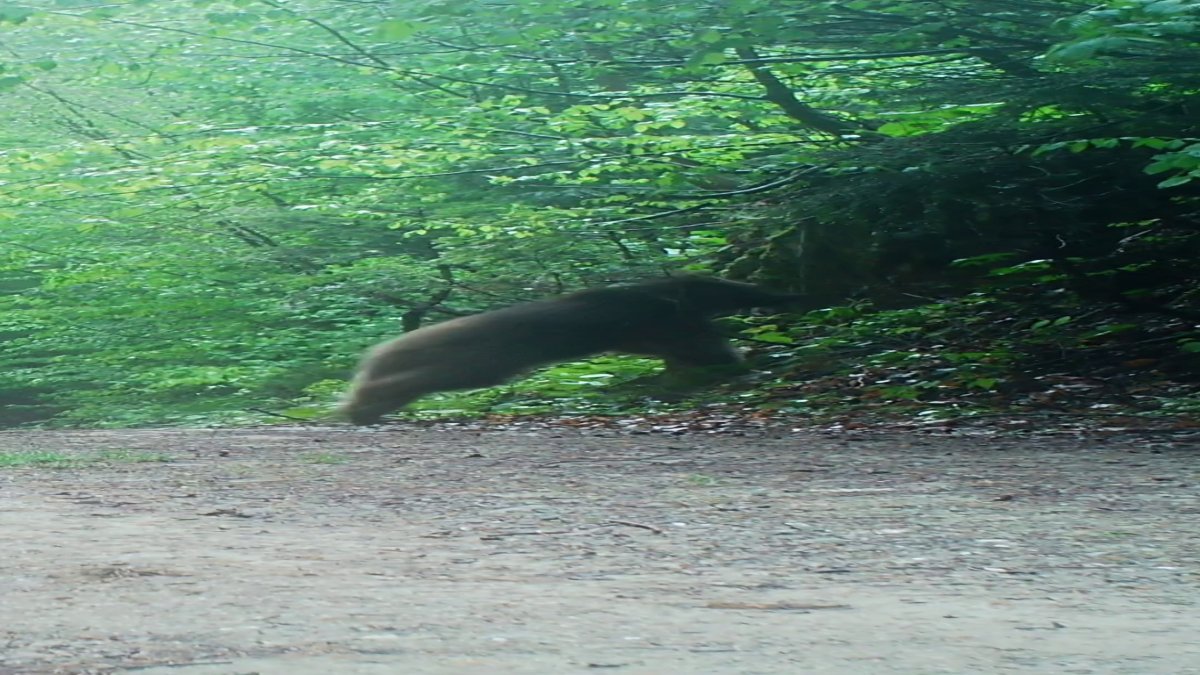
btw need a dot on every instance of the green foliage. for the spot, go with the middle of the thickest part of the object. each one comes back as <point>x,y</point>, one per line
<point>1182,161</point>
<point>58,460</point>
<point>583,387</point>
<point>208,209</point>
<point>977,354</point>
<point>1129,29</point>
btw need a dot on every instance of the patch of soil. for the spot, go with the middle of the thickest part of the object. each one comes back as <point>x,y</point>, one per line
<point>306,552</point>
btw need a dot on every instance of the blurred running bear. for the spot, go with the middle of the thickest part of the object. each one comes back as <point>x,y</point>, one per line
<point>666,318</point>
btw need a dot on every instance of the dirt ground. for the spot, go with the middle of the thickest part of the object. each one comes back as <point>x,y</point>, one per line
<point>317,552</point>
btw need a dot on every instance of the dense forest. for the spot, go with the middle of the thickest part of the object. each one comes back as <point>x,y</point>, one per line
<point>210,208</point>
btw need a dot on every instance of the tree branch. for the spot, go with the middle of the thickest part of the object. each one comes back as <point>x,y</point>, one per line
<point>781,95</point>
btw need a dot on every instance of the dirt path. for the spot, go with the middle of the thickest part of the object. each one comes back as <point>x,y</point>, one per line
<point>305,552</point>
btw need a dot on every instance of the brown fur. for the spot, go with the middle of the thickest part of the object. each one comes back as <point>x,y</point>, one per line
<point>668,319</point>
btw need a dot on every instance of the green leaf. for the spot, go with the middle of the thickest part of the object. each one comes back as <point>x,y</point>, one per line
<point>396,30</point>
<point>982,260</point>
<point>898,129</point>
<point>708,58</point>
<point>15,14</point>
<point>631,114</point>
<point>1173,181</point>
<point>1150,142</point>
<point>110,68</point>
<point>1087,49</point>
<point>774,338</point>
<point>1171,7</point>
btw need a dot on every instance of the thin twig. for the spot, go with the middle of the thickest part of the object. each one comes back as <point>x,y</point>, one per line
<point>643,526</point>
<point>526,533</point>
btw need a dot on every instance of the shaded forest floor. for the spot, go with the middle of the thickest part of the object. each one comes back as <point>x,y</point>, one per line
<point>448,550</point>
